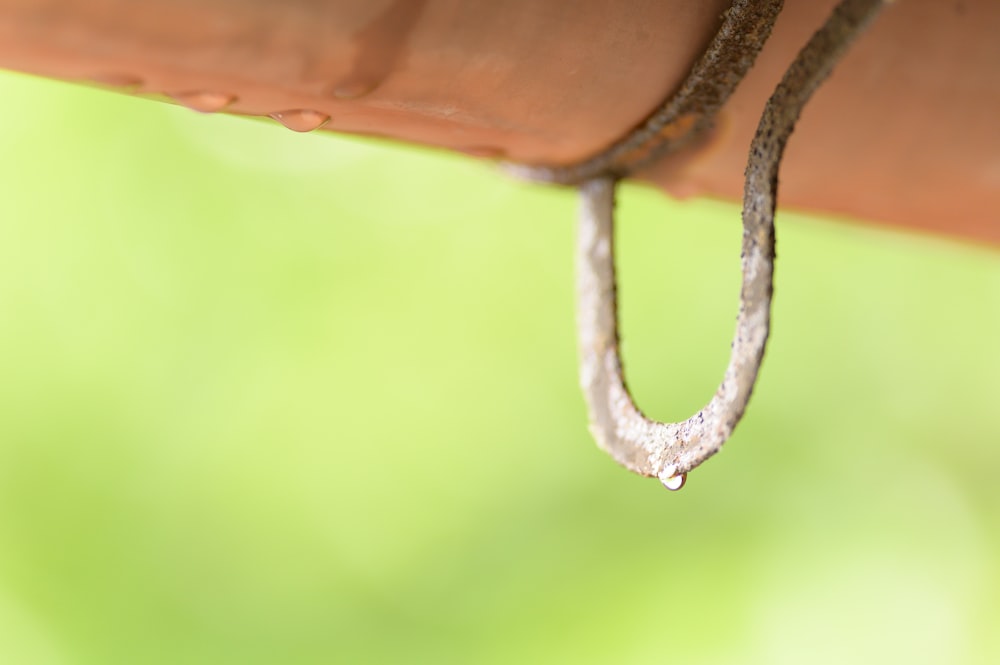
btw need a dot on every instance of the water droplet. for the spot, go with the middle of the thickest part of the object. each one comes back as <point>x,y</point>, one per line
<point>353,89</point>
<point>301,120</point>
<point>205,101</point>
<point>672,480</point>
<point>674,483</point>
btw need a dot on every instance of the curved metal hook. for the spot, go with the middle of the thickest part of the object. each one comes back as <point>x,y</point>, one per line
<point>745,27</point>
<point>669,450</point>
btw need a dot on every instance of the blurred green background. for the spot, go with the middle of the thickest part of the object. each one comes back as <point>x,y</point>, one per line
<point>271,398</point>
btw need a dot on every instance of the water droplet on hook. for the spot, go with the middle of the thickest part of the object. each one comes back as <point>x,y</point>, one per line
<point>301,120</point>
<point>672,480</point>
<point>674,483</point>
<point>205,101</point>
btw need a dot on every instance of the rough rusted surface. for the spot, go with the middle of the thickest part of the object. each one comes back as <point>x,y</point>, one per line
<point>669,450</point>
<point>688,111</point>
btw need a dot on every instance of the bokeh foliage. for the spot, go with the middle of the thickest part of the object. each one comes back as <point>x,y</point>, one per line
<point>297,399</point>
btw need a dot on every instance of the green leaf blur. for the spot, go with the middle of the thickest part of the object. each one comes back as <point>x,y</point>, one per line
<point>269,398</point>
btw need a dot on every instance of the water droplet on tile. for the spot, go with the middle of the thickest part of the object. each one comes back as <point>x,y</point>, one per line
<point>301,120</point>
<point>205,101</point>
